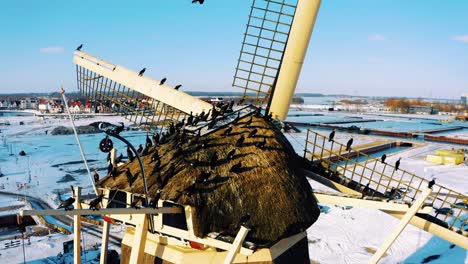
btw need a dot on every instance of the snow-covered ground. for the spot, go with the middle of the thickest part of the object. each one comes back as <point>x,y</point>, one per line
<point>339,236</point>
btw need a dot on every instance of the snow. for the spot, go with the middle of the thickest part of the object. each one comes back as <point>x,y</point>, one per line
<point>339,236</point>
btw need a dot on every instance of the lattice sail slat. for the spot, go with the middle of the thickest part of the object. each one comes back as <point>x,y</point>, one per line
<point>264,43</point>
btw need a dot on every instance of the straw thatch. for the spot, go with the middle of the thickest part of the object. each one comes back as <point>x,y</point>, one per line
<point>279,200</point>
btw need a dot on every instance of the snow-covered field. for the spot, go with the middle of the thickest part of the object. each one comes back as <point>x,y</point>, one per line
<point>339,236</point>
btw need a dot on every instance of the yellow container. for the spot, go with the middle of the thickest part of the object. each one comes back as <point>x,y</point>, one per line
<point>446,152</point>
<point>446,159</point>
<point>435,159</point>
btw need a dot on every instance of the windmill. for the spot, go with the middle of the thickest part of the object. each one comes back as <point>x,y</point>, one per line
<point>187,175</point>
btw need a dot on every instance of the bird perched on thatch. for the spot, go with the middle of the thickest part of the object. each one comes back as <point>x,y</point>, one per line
<point>95,202</point>
<point>213,160</point>
<point>240,142</point>
<point>136,200</point>
<point>119,159</point>
<point>155,156</point>
<point>383,158</point>
<point>236,120</point>
<point>155,138</point>
<point>178,87</point>
<point>205,117</point>
<point>212,124</point>
<point>114,171</point>
<point>397,164</point>
<point>162,81</point>
<point>227,131</point>
<point>140,149</point>
<point>149,143</point>
<point>142,72</point>
<point>67,203</point>
<point>244,221</point>
<point>248,122</point>
<point>130,154</point>
<point>155,200</point>
<point>109,168</point>
<point>130,177</point>
<point>253,133</point>
<point>261,144</point>
<point>172,129</point>
<point>349,144</point>
<point>331,136</point>
<point>203,178</point>
<point>79,47</point>
<point>236,168</point>
<point>431,183</point>
<point>231,154</point>
<point>145,151</point>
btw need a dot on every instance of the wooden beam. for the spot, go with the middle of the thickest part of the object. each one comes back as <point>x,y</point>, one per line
<point>375,204</point>
<point>109,211</point>
<point>139,241</point>
<point>77,228</point>
<point>236,245</point>
<point>142,84</point>
<point>401,226</point>
<point>105,230</point>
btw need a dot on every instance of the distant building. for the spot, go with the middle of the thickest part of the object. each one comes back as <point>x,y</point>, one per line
<point>420,109</point>
<point>463,99</point>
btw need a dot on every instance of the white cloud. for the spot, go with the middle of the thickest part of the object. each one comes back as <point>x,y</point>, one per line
<point>52,49</point>
<point>461,38</point>
<point>377,37</point>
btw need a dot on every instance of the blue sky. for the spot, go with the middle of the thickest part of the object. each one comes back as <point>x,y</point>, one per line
<point>365,47</point>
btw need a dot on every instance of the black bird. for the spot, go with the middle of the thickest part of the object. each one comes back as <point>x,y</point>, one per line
<point>178,87</point>
<point>116,130</point>
<point>79,47</point>
<point>331,136</point>
<point>240,141</point>
<point>155,156</point>
<point>349,144</point>
<point>163,81</point>
<point>203,178</point>
<point>172,129</point>
<point>142,72</point>
<point>180,124</point>
<point>213,160</point>
<point>205,117</point>
<point>258,112</point>
<point>253,133</point>
<point>198,1</point>
<point>383,158</point>
<point>155,200</point>
<point>244,220</point>
<point>431,183</point>
<point>130,177</point>
<point>96,176</point>
<point>227,131</point>
<point>202,115</point>
<point>145,151</point>
<point>236,168</point>
<point>67,203</point>
<point>365,191</point>
<point>236,120</point>
<point>397,164</point>
<point>113,172</point>
<point>95,202</point>
<point>261,144</point>
<point>190,119</point>
<point>231,104</point>
<point>231,153</point>
<point>212,124</point>
<point>135,202</point>
<point>130,154</point>
<point>109,168</point>
<point>140,149</point>
<point>392,194</point>
<point>119,159</point>
<point>149,143</point>
<point>248,122</point>
<point>196,120</point>
<point>156,138</point>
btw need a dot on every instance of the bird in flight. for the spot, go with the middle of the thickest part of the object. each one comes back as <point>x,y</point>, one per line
<point>198,1</point>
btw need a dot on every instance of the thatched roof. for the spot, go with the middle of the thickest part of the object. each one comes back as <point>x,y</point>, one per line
<point>279,200</point>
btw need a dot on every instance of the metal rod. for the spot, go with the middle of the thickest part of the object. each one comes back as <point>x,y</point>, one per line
<point>62,92</point>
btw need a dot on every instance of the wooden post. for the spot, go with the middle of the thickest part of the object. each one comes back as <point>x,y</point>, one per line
<point>139,241</point>
<point>105,231</point>
<point>403,223</point>
<point>236,245</point>
<point>77,227</point>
